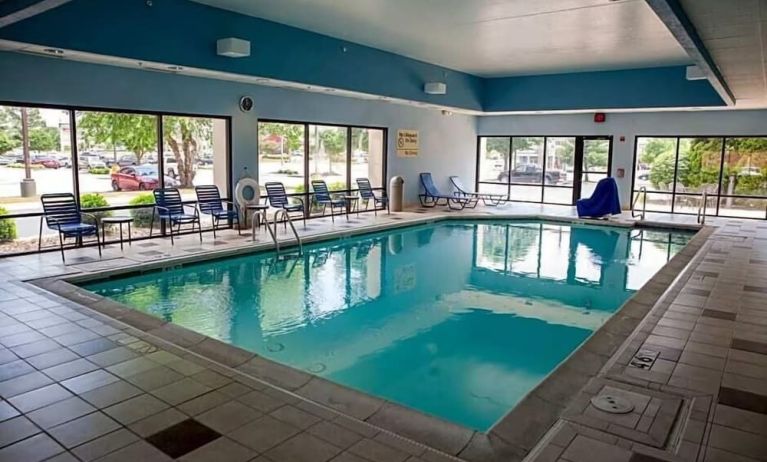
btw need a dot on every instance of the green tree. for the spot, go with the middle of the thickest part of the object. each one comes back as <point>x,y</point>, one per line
<point>662,171</point>
<point>656,147</point>
<point>6,143</point>
<point>290,137</point>
<point>44,139</point>
<point>185,136</point>
<point>135,133</point>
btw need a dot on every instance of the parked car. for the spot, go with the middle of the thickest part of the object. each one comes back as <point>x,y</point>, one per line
<point>139,178</point>
<point>171,167</point>
<point>750,171</point>
<point>65,161</point>
<point>45,161</point>
<point>529,174</point>
<point>88,161</point>
<point>6,160</point>
<point>127,160</point>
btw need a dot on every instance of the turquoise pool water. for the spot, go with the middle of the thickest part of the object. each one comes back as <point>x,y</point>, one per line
<point>457,319</point>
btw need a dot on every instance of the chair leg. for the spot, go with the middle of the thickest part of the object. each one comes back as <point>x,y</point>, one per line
<point>171,232</point>
<point>61,247</point>
<point>98,241</point>
<point>151,225</point>
<point>213,223</point>
<point>199,228</point>
<point>40,236</point>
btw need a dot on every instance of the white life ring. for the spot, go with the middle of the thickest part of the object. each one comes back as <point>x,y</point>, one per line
<point>247,185</point>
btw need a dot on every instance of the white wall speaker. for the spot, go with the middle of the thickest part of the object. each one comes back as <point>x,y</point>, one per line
<point>233,47</point>
<point>435,88</point>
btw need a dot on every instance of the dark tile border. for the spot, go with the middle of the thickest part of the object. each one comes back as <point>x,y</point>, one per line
<point>507,439</point>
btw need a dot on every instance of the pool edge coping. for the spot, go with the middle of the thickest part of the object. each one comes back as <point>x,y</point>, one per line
<point>430,431</point>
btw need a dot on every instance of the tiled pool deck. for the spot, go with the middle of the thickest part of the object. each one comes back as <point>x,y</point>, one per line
<point>79,385</point>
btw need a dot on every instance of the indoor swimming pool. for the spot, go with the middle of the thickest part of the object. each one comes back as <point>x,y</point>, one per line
<point>458,319</point>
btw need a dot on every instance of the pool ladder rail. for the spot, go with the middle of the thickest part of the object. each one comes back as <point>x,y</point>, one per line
<point>643,195</point>
<point>273,231</point>
<point>702,208</point>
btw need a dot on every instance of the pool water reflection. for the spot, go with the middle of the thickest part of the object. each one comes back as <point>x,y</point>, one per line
<point>457,319</point>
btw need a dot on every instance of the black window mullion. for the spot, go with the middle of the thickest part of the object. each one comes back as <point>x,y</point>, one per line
<point>510,167</point>
<point>676,168</point>
<point>160,152</point>
<point>307,204</point>
<point>543,172</point>
<point>721,175</point>
<point>349,158</point>
<point>73,151</point>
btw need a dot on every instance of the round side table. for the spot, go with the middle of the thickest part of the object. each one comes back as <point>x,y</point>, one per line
<point>117,220</point>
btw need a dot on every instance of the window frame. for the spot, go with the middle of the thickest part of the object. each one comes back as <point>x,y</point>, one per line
<point>72,110</point>
<point>577,170</point>
<point>307,194</point>
<point>717,197</point>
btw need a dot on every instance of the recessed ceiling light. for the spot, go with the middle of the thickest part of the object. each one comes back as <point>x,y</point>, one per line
<point>175,68</point>
<point>262,80</point>
<point>330,90</point>
<point>53,51</point>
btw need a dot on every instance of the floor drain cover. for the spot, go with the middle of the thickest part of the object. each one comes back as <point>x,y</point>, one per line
<point>612,404</point>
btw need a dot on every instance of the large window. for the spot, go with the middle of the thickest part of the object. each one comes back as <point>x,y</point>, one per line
<point>109,159</point>
<point>548,169</point>
<point>675,171</point>
<point>295,153</point>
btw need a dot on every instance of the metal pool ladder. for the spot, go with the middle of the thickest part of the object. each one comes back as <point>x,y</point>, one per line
<point>273,232</point>
<point>643,193</point>
<point>702,208</point>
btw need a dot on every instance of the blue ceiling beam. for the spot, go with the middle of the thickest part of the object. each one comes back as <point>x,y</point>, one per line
<point>676,20</point>
<point>13,11</point>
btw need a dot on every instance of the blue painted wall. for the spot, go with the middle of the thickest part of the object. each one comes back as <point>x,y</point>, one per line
<point>448,143</point>
<point>184,33</point>
<point>635,88</point>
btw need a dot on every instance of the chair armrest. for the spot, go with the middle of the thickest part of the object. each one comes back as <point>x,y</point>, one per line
<point>301,201</point>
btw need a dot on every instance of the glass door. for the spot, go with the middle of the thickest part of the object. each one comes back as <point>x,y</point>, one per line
<point>592,163</point>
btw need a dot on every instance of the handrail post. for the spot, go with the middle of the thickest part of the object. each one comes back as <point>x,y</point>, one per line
<point>641,215</point>
<point>701,218</point>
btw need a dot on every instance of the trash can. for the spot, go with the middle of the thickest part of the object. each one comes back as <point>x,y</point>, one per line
<point>396,185</point>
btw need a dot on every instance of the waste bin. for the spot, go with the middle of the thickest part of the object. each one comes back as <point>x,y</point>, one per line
<point>396,185</point>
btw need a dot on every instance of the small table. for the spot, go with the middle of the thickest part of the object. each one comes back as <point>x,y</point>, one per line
<point>352,201</point>
<point>259,214</point>
<point>117,220</point>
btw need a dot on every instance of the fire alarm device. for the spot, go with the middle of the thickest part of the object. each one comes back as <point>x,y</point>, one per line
<point>623,139</point>
<point>599,117</point>
<point>621,172</point>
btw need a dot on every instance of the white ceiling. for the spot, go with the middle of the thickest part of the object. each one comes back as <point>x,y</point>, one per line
<point>735,34</point>
<point>488,37</point>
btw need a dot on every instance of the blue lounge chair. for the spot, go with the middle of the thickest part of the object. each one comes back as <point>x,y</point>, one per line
<point>487,199</point>
<point>431,196</point>
<point>209,202</point>
<point>603,202</point>
<point>278,198</point>
<point>323,197</point>
<point>62,214</point>
<point>170,208</point>
<point>367,195</point>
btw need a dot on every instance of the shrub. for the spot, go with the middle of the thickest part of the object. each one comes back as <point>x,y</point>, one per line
<point>98,170</point>
<point>7,227</point>
<point>21,165</point>
<point>92,201</point>
<point>142,217</point>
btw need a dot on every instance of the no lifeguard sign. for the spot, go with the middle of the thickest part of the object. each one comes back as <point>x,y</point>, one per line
<point>407,143</point>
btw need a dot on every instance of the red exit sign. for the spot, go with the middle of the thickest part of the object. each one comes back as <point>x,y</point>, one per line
<point>600,117</point>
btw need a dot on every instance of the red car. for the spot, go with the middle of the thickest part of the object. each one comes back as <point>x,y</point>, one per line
<point>47,162</point>
<point>140,178</point>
